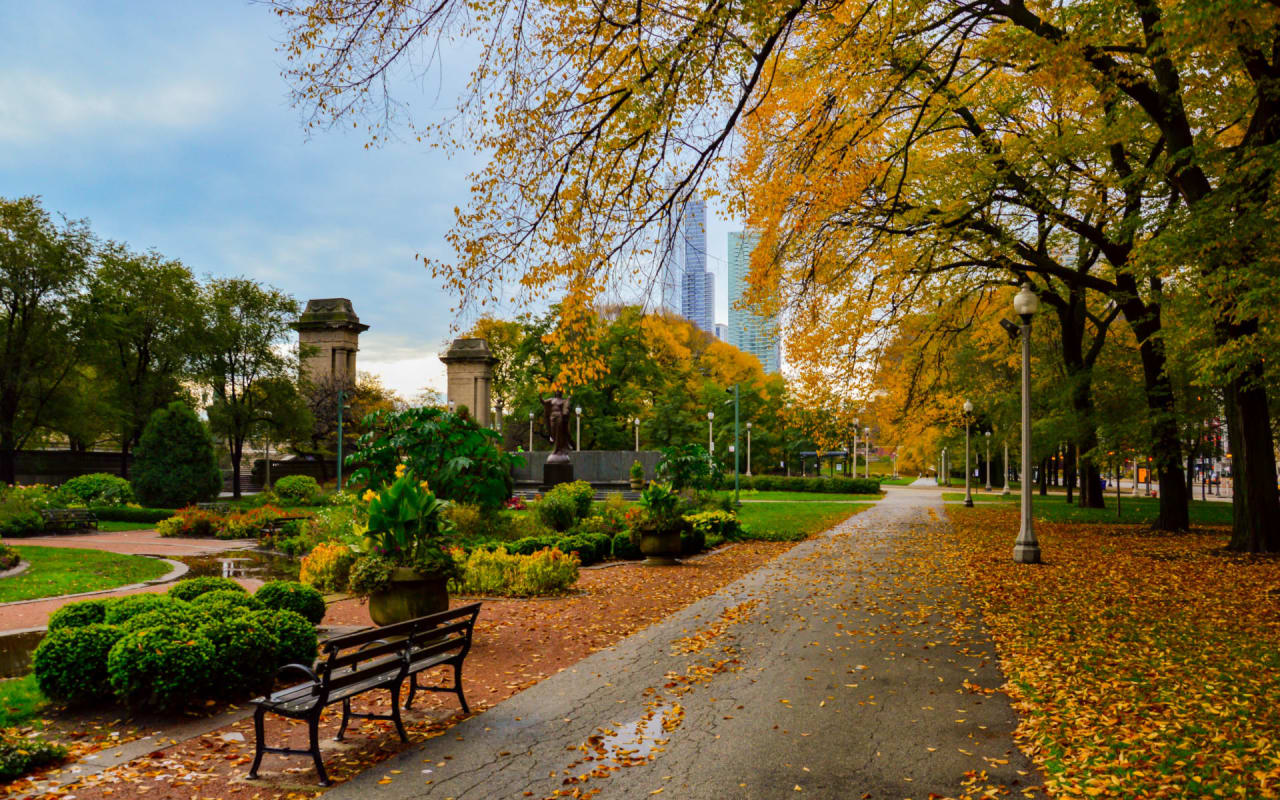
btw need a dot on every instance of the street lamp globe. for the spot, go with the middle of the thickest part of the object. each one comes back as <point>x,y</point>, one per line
<point>578,410</point>
<point>1025,302</point>
<point>711,415</point>
<point>748,426</point>
<point>968,407</point>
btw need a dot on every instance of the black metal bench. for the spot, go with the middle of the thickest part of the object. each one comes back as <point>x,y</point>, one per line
<point>275,526</point>
<point>215,508</point>
<point>67,519</point>
<point>378,658</point>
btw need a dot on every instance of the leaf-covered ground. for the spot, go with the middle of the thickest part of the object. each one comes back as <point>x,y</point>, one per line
<point>1144,665</point>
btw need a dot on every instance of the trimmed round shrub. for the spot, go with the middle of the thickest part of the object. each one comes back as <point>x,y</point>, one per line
<point>120,609</point>
<point>98,488</point>
<point>77,615</point>
<point>623,547</point>
<point>292,596</point>
<point>297,489</point>
<point>246,655</point>
<point>163,669</point>
<point>295,637</point>
<point>579,492</point>
<point>585,547</point>
<point>226,602</point>
<point>71,663</point>
<point>531,544</point>
<point>174,463</point>
<point>556,510</point>
<point>190,588</point>
<point>601,542</point>
<point>184,616</point>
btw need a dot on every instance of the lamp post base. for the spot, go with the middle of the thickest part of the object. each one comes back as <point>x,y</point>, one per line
<point>968,502</point>
<point>1026,554</point>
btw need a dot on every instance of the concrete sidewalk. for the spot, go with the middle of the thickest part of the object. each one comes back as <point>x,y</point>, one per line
<point>813,675</point>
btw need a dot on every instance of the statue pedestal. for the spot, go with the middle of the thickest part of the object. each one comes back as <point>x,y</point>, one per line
<point>558,469</point>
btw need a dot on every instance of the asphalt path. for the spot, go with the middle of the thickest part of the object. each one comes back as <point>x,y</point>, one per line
<point>828,673</point>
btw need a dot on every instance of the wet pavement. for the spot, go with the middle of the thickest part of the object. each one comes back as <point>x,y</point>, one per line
<point>829,673</point>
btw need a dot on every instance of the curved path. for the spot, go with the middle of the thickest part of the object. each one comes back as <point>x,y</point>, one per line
<point>803,679</point>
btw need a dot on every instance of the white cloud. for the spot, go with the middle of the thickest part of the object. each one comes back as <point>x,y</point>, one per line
<point>35,108</point>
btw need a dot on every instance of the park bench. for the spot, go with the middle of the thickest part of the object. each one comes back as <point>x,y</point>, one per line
<point>377,658</point>
<point>67,519</point>
<point>215,508</point>
<point>272,527</point>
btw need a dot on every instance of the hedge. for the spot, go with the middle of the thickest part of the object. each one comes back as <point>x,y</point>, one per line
<point>784,483</point>
<point>131,514</point>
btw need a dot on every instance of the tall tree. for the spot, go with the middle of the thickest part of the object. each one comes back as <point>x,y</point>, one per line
<point>142,332</point>
<point>43,268</point>
<point>242,358</point>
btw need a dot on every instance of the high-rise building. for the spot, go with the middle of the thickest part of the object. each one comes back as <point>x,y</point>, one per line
<point>688,289</point>
<point>750,332</point>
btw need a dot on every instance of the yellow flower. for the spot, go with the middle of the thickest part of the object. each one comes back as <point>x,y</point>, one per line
<point>425,487</point>
<point>400,469</point>
<point>368,495</point>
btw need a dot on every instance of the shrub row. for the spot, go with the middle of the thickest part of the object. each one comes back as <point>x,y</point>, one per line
<point>497,572</point>
<point>785,483</point>
<point>206,638</point>
<point>131,513</point>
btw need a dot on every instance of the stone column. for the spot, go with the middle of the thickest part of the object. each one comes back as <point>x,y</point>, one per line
<point>329,335</point>
<point>469,377</point>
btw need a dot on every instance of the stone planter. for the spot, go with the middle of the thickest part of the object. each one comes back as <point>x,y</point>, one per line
<point>660,548</point>
<point>637,483</point>
<point>411,594</point>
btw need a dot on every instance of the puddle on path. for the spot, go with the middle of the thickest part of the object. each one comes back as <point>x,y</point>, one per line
<point>243,564</point>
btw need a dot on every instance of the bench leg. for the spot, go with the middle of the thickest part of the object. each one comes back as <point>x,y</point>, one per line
<point>457,686</point>
<point>258,742</point>
<point>413,690</point>
<point>346,715</point>
<point>395,712</point>
<point>313,729</point>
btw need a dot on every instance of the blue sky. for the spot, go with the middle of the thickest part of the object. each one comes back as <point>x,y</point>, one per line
<point>168,126</point>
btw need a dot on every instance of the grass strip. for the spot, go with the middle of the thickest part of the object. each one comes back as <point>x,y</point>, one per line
<point>57,571</point>
<point>791,522</point>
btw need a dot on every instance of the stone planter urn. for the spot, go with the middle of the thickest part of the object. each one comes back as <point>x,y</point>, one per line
<point>411,594</point>
<point>637,483</point>
<point>660,548</point>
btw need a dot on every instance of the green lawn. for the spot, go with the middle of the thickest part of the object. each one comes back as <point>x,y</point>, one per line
<point>20,700</point>
<point>57,571</point>
<point>994,497</point>
<point>805,497</point>
<point>902,480</point>
<point>1133,510</point>
<point>112,526</point>
<point>789,522</point>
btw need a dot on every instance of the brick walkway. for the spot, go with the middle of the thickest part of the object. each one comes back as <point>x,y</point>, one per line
<point>18,616</point>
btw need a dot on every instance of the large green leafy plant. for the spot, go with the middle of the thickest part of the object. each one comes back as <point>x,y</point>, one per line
<point>404,531</point>
<point>689,466</point>
<point>460,459</point>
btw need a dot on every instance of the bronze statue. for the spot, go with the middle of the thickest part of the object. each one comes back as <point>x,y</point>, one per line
<point>555,415</point>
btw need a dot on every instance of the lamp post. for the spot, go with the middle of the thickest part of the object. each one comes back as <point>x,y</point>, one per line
<point>340,404</point>
<point>748,449</point>
<point>530,431</point>
<point>711,439</point>
<point>968,413</point>
<point>988,436</point>
<point>577,436</point>
<point>1026,550</point>
<point>945,476</point>
<point>1005,491</point>
<point>895,462</point>
<point>497,417</point>
<point>866,453</point>
<point>853,454</point>
<point>635,423</point>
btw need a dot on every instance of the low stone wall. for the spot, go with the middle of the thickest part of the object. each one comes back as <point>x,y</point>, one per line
<point>592,466</point>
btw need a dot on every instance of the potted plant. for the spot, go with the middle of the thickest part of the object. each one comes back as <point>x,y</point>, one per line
<point>658,524</point>
<point>404,569</point>
<point>637,475</point>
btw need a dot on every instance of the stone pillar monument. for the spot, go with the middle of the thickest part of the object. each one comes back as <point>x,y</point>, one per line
<point>329,334</point>
<point>469,375</point>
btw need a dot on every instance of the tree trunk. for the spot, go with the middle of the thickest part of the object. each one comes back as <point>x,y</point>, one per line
<point>1044,477</point>
<point>124,457</point>
<point>1256,505</point>
<point>1166,450</point>
<point>8,461</point>
<point>237,450</point>
<point>1069,471</point>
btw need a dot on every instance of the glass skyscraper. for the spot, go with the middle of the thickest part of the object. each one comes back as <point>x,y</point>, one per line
<point>749,332</point>
<point>688,289</point>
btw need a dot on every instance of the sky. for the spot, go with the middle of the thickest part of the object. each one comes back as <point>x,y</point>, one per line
<point>168,126</point>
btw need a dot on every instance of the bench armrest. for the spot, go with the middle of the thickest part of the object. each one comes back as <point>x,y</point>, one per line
<point>298,667</point>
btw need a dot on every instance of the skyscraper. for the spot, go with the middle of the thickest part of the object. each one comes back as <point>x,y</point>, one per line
<point>688,289</point>
<point>749,332</point>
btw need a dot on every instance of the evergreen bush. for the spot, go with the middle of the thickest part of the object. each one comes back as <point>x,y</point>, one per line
<point>21,754</point>
<point>301,489</point>
<point>77,615</point>
<point>246,655</point>
<point>624,548</point>
<point>557,510</point>
<point>292,596</point>
<point>161,669</point>
<point>71,662</point>
<point>222,602</point>
<point>120,609</point>
<point>189,589</point>
<point>296,641</point>
<point>174,463</point>
<point>96,488</point>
